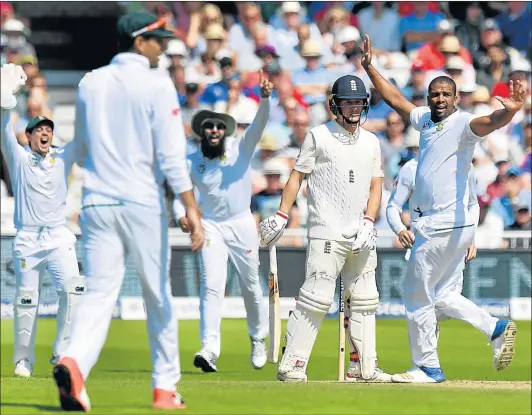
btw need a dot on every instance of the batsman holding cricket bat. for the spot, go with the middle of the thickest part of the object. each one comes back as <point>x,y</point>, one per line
<point>342,163</point>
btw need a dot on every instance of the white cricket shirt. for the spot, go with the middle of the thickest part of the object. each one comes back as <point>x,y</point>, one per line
<point>39,184</point>
<point>224,184</point>
<point>339,168</point>
<point>404,186</point>
<point>129,120</point>
<point>444,162</point>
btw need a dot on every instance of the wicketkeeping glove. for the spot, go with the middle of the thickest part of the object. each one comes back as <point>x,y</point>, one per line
<point>12,78</point>
<point>272,228</point>
<point>365,236</point>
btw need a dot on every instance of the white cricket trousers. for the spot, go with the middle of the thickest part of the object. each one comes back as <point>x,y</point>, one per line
<point>35,252</point>
<point>433,272</point>
<point>234,239</point>
<point>109,234</point>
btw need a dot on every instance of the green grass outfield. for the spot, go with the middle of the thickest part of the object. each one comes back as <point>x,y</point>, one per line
<point>120,382</point>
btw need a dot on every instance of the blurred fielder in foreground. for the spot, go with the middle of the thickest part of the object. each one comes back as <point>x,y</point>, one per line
<point>128,119</point>
<point>342,163</point>
<point>401,195</point>
<point>220,170</point>
<point>445,228</point>
<point>43,242</point>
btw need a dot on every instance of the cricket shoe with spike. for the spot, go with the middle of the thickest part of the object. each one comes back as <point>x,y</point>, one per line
<point>354,374</point>
<point>420,375</point>
<point>258,354</point>
<point>163,399</point>
<point>69,381</point>
<point>23,369</point>
<point>503,343</point>
<point>206,361</point>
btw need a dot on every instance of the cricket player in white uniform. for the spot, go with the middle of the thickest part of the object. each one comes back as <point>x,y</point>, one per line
<point>445,228</point>
<point>43,242</point>
<point>401,194</point>
<point>128,119</point>
<point>342,164</point>
<point>221,173</point>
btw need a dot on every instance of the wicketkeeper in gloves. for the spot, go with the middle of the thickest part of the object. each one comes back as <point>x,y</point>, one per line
<point>220,171</point>
<point>342,164</point>
<point>43,242</point>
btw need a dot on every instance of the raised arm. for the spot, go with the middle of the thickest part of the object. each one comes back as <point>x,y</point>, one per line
<point>391,95</point>
<point>400,195</point>
<point>254,133</point>
<point>483,126</point>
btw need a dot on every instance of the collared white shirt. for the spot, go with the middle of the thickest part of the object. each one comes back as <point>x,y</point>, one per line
<point>129,120</point>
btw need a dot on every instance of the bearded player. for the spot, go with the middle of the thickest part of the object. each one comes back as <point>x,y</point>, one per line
<point>43,242</point>
<point>220,171</point>
<point>342,164</point>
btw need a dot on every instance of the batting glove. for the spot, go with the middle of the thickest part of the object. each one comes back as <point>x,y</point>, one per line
<point>365,236</point>
<point>12,78</point>
<point>272,228</point>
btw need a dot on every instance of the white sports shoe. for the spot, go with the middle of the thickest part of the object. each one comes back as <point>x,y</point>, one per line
<point>23,369</point>
<point>354,374</point>
<point>420,375</point>
<point>292,376</point>
<point>258,353</point>
<point>503,343</point>
<point>206,361</point>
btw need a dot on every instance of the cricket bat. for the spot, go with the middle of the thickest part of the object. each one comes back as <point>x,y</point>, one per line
<point>275,309</point>
<point>341,333</point>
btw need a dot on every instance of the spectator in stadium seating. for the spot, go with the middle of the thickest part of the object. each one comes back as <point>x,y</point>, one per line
<point>469,30</point>
<point>498,70</point>
<point>497,188</point>
<point>345,51</point>
<point>516,25</point>
<point>417,82</point>
<point>518,131</point>
<point>237,104</point>
<point>391,142</point>
<point>465,93</point>
<point>378,112</point>
<point>239,38</point>
<point>335,19</point>
<point>191,105</point>
<point>419,27</point>
<point>434,54</point>
<point>490,35</point>
<point>481,101</point>
<point>519,71</point>
<point>522,212</point>
<point>505,206</point>
<point>253,62</point>
<point>215,37</point>
<point>218,91</point>
<point>301,127</point>
<point>319,10</point>
<point>207,69</point>
<point>266,203</point>
<point>178,77</point>
<point>177,52</point>
<point>312,81</point>
<point>526,166</point>
<point>489,233</point>
<point>268,148</point>
<point>292,17</point>
<point>382,25</point>
<point>16,34</point>
<point>199,22</point>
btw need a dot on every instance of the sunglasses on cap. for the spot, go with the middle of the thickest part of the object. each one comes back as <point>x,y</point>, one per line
<point>210,125</point>
<point>154,26</point>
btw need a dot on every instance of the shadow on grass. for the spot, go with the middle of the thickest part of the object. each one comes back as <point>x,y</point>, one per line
<point>43,408</point>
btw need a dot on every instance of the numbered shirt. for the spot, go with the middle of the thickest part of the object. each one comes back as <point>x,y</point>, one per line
<point>39,184</point>
<point>445,154</point>
<point>339,168</point>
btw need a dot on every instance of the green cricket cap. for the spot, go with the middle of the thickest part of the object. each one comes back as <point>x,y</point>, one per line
<point>143,23</point>
<point>35,122</point>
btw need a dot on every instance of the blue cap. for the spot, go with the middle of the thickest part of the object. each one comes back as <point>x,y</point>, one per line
<point>514,171</point>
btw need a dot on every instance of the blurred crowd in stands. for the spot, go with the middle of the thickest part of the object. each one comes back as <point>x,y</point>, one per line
<point>303,47</point>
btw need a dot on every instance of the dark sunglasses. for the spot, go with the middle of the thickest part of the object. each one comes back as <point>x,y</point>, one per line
<point>210,125</point>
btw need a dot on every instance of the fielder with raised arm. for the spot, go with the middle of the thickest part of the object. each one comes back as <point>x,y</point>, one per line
<point>342,164</point>
<point>220,170</point>
<point>43,242</point>
<point>128,119</point>
<point>401,195</point>
<point>445,227</point>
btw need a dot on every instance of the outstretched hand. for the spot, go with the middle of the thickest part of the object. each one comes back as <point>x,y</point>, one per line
<point>516,99</point>
<point>266,86</point>
<point>366,52</point>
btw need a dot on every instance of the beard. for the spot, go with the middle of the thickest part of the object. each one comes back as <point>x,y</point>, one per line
<point>212,151</point>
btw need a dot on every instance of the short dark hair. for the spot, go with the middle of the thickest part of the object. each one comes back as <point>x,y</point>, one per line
<point>443,80</point>
<point>125,43</point>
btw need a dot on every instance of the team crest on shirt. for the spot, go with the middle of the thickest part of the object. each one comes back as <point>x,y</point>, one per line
<point>201,168</point>
<point>439,127</point>
<point>23,263</point>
